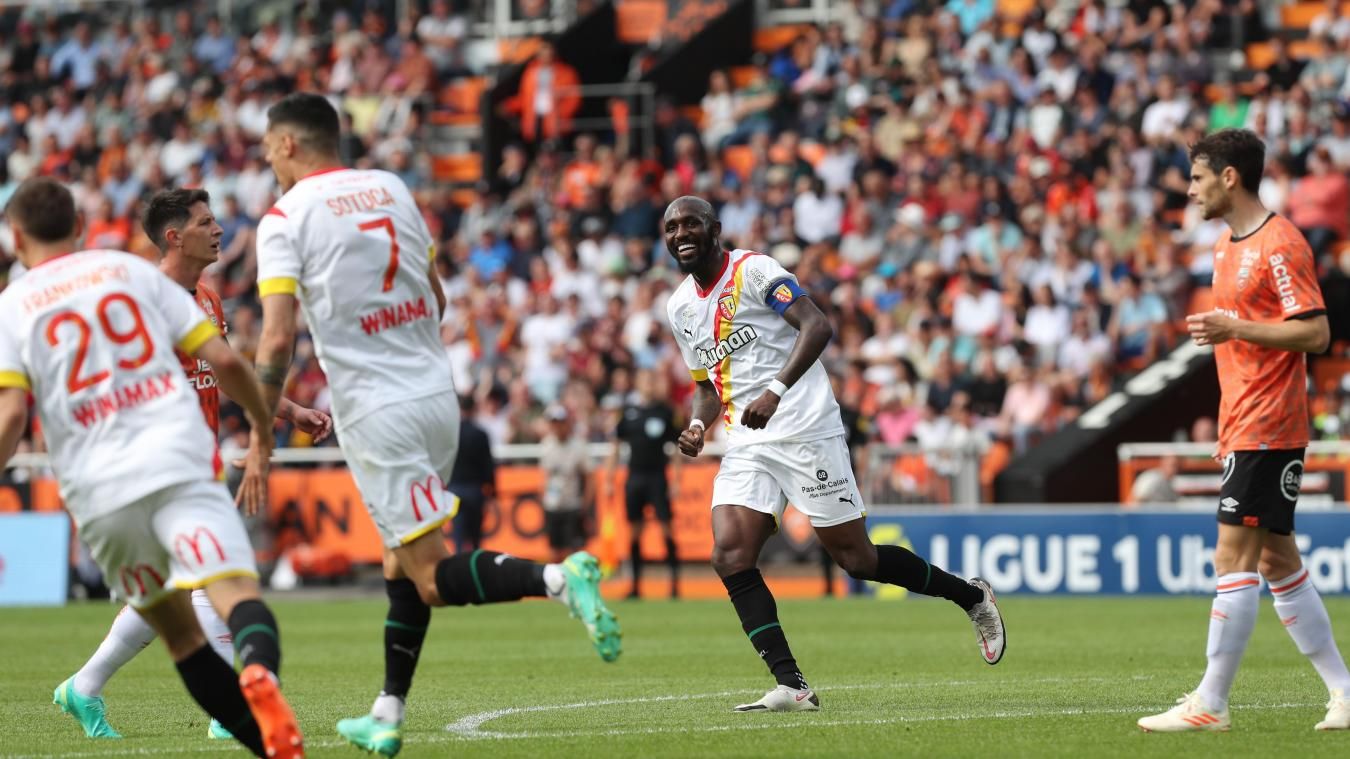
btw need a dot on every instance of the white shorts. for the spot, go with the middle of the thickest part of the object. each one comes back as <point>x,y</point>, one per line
<point>184,536</point>
<point>816,477</point>
<point>401,459</point>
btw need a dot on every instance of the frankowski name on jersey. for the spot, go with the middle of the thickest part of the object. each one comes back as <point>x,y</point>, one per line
<point>727,346</point>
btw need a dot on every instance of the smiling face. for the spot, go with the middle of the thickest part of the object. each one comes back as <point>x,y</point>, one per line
<point>692,234</point>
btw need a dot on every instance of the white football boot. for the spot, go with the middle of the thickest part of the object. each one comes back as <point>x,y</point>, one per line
<point>1338,713</point>
<point>1189,715</point>
<point>989,632</point>
<point>784,699</point>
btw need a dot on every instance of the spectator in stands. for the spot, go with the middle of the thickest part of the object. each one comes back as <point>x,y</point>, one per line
<point>548,98</point>
<point>1320,203</point>
<point>442,33</point>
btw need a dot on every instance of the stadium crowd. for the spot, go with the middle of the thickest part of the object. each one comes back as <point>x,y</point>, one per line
<point>993,214</point>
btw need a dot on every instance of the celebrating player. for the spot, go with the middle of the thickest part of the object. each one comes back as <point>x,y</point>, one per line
<point>353,245</point>
<point>92,334</point>
<point>181,225</point>
<point>1268,314</point>
<point>752,339</point>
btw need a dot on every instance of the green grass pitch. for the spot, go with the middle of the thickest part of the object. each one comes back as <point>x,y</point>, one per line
<point>895,678</point>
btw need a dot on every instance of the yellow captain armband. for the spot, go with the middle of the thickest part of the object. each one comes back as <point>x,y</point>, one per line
<point>699,375</point>
<point>15,379</point>
<point>198,336</point>
<point>277,286</point>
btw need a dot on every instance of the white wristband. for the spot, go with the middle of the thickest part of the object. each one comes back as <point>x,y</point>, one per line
<point>778,388</point>
<point>697,423</point>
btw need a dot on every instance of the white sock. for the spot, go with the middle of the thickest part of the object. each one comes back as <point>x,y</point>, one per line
<point>1231,620</point>
<point>128,635</point>
<point>1305,617</point>
<point>555,582</point>
<point>216,630</point>
<point>388,708</point>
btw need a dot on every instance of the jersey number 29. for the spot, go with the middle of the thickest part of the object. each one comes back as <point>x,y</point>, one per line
<point>138,333</point>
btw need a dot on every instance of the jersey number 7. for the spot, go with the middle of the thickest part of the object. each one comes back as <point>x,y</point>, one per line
<point>387,224</point>
<point>137,333</point>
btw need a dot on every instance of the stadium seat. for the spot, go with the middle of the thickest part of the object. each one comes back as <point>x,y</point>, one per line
<point>811,152</point>
<point>1301,15</point>
<point>1304,50</point>
<point>1260,55</point>
<point>774,38</point>
<point>740,159</point>
<point>461,168</point>
<point>511,50</point>
<point>638,21</point>
<point>741,76</point>
<point>694,113</point>
<point>462,95</point>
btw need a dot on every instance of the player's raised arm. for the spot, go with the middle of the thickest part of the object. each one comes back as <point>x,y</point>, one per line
<point>813,334</point>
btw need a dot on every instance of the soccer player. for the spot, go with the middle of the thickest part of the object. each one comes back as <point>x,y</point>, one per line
<point>355,249</point>
<point>752,340</point>
<point>92,335</point>
<point>647,427</point>
<point>1268,314</point>
<point>181,225</point>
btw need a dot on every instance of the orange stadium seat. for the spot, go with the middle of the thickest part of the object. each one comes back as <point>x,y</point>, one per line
<point>1260,55</point>
<point>1301,15</point>
<point>461,168</point>
<point>694,113</point>
<point>638,21</point>
<point>774,38</point>
<point>1306,49</point>
<point>517,49</point>
<point>740,76</point>
<point>740,159</point>
<point>1015,10</point>
<point>811,152</point>
<point>463,198</point>
<point>462,95</point>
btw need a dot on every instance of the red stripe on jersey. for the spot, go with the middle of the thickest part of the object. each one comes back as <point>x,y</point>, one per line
<point>274,211</point>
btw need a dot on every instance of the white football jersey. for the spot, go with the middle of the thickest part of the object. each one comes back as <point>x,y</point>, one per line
<point>357,247</point>
<point>92,335</point>
<point>730,335</point>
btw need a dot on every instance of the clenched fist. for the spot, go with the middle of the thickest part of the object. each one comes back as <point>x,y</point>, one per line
<point>691,441</point>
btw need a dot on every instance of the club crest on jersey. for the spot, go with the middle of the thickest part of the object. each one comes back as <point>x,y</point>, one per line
<point>726,305</point>
<point>783,294</point>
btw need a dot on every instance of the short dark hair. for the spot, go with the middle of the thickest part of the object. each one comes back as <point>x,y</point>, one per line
<point>1238,148</point>
<point>171,209</point>
<point>44,209</point>
<point>311,115</point>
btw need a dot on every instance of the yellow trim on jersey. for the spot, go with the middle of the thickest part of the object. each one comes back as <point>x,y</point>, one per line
<point>195,339</point>
<point>431,252</point>
<point>277,286</point>
<point>724,333</point>
<point>15,379</point>
<point>428,527</point>
<point>203,582</point>
<point>699,375</point>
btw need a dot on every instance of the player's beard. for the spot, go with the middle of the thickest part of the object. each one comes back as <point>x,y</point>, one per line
<point>1217,209</point>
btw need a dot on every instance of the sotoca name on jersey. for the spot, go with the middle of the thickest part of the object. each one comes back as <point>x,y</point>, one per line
<point>727,346</point>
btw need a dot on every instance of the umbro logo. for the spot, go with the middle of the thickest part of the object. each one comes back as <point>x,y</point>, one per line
<point>1229,505</point>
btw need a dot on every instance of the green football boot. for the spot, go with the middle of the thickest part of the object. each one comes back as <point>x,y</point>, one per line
<point>88,710</point>
<point>370,734</point>
<point>583,599</point>
<point>217,732</point>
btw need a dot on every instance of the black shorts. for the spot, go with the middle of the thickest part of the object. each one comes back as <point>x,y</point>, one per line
<point>1260,489</point>
<point>566,529</point>
<point>642,489</point>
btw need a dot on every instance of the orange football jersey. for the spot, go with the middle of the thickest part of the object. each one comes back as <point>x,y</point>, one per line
<point>199,373</point>
<point>1267,276</point>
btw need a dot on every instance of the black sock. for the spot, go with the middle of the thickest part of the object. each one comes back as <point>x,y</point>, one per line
<point>404,630</point>
<point>256,637</point>
<point>759,618</point>
<point>900,566</point>
<point>213,684</point>
<point>488,577</point>
<point>673,559</point>
<point>635,557</point>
